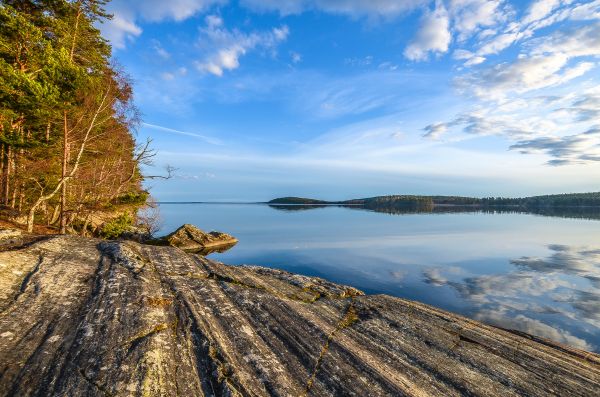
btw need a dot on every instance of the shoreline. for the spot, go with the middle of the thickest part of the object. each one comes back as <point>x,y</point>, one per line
<point>342,204</point>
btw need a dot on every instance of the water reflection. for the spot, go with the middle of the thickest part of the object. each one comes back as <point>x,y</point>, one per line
<point>540,295</point>
<point>536,274</point>
<point>591,213</point>
<point>212,250</point>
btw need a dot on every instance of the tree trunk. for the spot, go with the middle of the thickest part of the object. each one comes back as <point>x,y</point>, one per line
<point>76,30</point>
<point>77,161</point>
<point>6,179</point>
<point>65,159</point>
<point>55,215</point>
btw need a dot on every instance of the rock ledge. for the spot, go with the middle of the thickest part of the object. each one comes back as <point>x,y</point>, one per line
<point>84,317</point>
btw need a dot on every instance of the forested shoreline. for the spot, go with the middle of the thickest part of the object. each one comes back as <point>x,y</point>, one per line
<point>68,154</point>
<point>423,202</point>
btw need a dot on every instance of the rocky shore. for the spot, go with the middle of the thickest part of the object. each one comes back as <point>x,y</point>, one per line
<point>85,317</point>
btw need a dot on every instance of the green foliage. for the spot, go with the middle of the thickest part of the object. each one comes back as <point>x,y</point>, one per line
<point>556,200</point>
<point>61,95</point>
<point>392,202</point>
<point>117,226</point>
<point>134,198</point>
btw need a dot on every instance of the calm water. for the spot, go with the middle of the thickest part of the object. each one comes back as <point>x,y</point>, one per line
<point>536,274</point>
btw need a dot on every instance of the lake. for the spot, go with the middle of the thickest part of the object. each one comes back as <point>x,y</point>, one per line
<point>537,274</point>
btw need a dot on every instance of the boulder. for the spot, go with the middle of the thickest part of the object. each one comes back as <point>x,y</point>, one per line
<point>190,238</point>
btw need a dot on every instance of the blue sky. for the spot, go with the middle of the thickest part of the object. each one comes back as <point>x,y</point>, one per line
<point>254,99</point>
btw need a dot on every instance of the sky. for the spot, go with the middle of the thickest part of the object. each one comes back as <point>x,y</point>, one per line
<point>255,99</point>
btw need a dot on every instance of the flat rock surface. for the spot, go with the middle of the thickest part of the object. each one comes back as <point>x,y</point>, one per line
<point>84,317</point>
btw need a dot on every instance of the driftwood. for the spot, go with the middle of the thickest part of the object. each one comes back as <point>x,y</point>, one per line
<point>84,317</point>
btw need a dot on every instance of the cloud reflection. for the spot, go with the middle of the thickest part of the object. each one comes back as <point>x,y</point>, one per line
<point>555,297</point>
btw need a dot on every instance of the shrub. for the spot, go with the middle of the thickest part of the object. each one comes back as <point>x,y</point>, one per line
<point>117,226</point>
<point>135,198</point>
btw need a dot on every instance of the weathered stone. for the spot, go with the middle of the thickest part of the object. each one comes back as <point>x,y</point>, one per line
<point>84,317</point>
<point>9,233</point>
<point>190,238</point>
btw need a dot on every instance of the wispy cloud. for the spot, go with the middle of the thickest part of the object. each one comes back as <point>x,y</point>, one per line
<point>571,149</point>
<point>224,47</point>
<point>205,138</point>
<point>508,95</point>
<point>544,62</point>
<point>125,25</point>
<point>353,8</point>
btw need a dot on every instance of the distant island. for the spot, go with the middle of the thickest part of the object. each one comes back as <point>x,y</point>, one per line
<point>403,201</point>
<point>570,205</point>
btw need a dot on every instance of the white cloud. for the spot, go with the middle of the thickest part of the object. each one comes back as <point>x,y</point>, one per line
<point>586,11</point>
<point>462,20</point>
<point>540,14</point>
<point>475,61</point>
<point>499,43</point>
<point>388,66</point>
<point>546,61</point>
<point>224,47</point>
<point>160,51</point>
<point>182,71</point>
<point>577,43</point>
<point>354,8</point>
<point>462,54</point>
<point>371,7</point>
<point>544,65</point>
<point>471,15</point>
<point>536,125</point>
<point>296,57</point>
<point>540,9</point>
<point>470,58</point>
<point>433,35</point>
<point>436,130</point>
<point>494,120</point>
<point>572,149</point>
<point>119,30</point>
<point>366,61</point>
<point>125,27</point>
<point>524,75</point>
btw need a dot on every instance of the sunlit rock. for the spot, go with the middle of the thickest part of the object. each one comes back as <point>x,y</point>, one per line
<point>190,238</point>
<point>85,317</point>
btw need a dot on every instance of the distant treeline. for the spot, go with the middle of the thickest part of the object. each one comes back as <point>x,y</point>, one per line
<point>555,200</point>
<point>424,202</point>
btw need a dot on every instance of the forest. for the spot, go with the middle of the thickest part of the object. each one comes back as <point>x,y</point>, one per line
<point>568,200</point>
<point>69,160</point>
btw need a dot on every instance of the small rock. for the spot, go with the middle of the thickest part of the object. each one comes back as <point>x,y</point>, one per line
<point>9,233</point>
